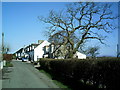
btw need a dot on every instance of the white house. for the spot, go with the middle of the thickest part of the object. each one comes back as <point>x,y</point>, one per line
<point>39,50</point>
<point>30,51</point>
<point>79,55</point>
<point>58,52</point>
<point>44,49</point>
<point>19,53</point>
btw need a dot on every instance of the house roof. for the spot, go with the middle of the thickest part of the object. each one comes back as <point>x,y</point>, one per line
<point>40,41</point>
<point>53,43</point>
<point>20,50</point>
<point>33,44</point>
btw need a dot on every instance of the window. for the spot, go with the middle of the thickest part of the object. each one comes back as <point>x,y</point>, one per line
<point>32,47</point>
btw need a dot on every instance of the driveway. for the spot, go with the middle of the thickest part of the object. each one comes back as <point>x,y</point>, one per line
<point>24,75</point>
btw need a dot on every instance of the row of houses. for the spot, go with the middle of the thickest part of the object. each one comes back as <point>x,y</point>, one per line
<point>44,49</point>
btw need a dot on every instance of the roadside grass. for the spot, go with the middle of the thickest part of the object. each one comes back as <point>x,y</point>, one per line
<point>58,83</point>
<point>9,64</point>
<point>42,71</point>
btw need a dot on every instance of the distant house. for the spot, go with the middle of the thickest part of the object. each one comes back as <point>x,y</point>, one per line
<point>29,50</point>
<point>19,53</point>
<point>52,51</point>
<point>32,51</point>
<point>79,55</point>
<point>39,50</point>
<point>57,51</point>
<point>44,49</point>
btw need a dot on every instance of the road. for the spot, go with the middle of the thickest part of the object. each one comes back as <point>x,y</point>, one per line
<point>24,75</point>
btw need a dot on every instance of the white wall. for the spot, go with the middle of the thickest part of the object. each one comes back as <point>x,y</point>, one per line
<point>80,55</point>
<point>31,54</point>
<point>1,65</point>
<point>38,51</point>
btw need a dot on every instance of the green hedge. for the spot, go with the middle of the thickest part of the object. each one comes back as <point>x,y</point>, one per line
<point>98,73</point>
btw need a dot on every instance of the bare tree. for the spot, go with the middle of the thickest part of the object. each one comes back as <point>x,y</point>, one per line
<point>93,51</point>
<point>6,48</point>
<point>79,22</point>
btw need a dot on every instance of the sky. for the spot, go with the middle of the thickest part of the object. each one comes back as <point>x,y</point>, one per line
<point>22,27</point>
<point>0,19</point>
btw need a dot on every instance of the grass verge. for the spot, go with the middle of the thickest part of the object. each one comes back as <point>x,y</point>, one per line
<point>9,64</point>
<point>59,84</point>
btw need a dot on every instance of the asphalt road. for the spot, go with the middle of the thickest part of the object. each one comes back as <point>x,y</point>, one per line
<point>24,75</point>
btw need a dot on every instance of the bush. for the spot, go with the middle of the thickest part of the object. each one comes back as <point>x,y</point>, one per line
<point>97,73</point>
<point>9,64</point>
<point>7,56</point>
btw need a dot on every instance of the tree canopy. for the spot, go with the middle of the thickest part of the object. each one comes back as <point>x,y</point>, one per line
<point>79,22</point>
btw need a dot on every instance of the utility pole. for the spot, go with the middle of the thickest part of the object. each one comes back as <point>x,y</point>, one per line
<point>118,45</point>
<point>2,44</point>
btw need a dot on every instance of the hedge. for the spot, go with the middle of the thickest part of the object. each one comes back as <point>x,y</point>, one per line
<point>97,73</point>
<point>7,56</point>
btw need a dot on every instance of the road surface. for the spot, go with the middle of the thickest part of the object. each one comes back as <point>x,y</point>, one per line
<point>24,75</point>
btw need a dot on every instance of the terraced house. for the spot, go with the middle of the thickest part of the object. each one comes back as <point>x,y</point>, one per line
<point>32,51</point>
<point>45,49</point>
<point>29,50</point>
<point>58,51</point>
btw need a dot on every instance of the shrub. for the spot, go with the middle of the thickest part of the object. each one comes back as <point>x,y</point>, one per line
<point>97,73</point>
<point>9,64</point>
<point>7,56</point>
